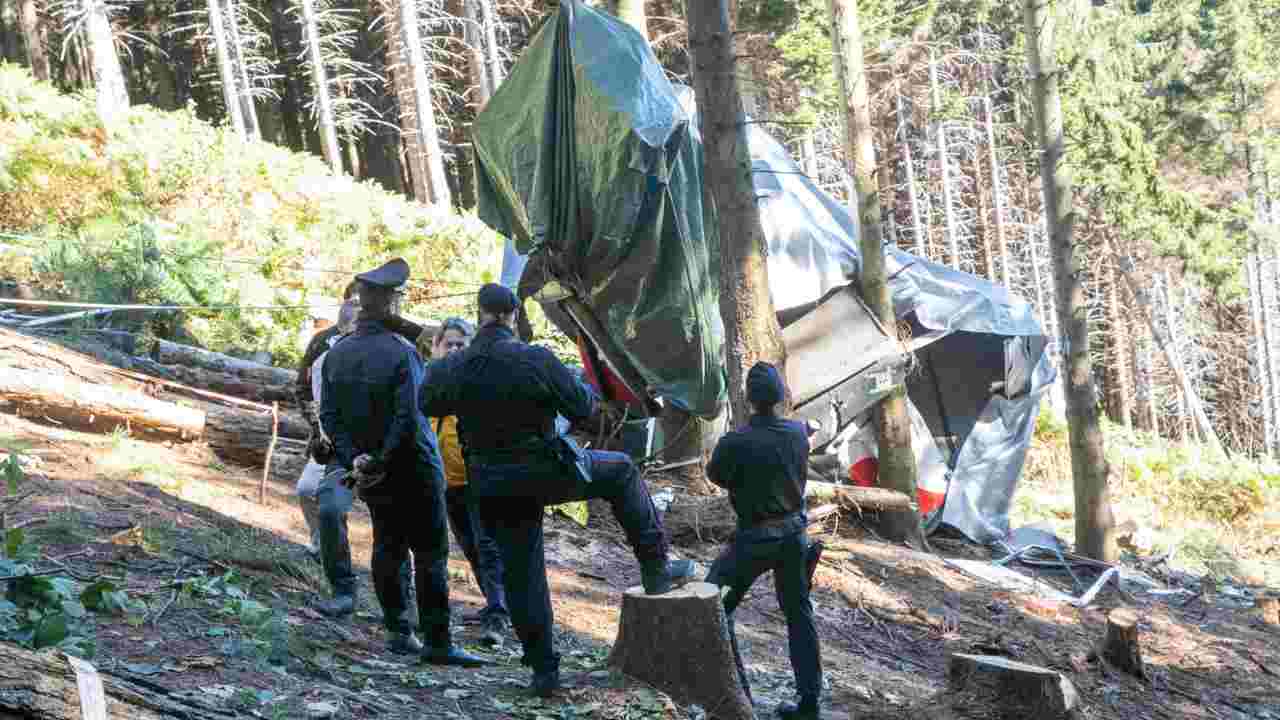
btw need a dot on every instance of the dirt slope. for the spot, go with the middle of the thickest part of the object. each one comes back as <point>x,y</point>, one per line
<point>204,563</point>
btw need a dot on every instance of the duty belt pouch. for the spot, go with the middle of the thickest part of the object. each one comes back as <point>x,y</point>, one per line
<point>573,456</point>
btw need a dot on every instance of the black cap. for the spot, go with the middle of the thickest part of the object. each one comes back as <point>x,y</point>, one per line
<point>392,274</point>
<point>764,385</point>
<point>497,299</point>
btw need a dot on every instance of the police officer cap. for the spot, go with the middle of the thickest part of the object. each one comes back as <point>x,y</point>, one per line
<point>392,274</point>
<point>497,299</point>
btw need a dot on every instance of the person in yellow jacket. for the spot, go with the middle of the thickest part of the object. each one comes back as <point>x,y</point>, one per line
<point>478,546</point>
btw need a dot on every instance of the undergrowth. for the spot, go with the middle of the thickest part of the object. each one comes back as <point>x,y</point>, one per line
<point>1214,514</point>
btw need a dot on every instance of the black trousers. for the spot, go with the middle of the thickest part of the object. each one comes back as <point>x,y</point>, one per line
<point>480,549</point>
<point>782,549</point>
<point>409,516</point>
<point>515,521</point>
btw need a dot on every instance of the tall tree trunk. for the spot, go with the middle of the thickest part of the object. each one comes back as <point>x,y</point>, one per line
<point>750,323</point>
<point>1095,525</point>
<point>493,53</point>
<point>437,185</point>
<point>918,230</point>
<point>1266,284</point>
<point>320,86</point>
<point>1121,396</point>
<point>286,37</point>
<point>944,165</point>
<point>1143,390</point>
<point>473,36</point>
<point>414,163</point>
<point>244,94</point>
<point>632,13</point>
<point>997,193</point>
<point>35,31</point>
<point>108,78</point>
<point>226,73</point>
<point>893,423</point>
<point>981,224</point>
<point>1258,351</point>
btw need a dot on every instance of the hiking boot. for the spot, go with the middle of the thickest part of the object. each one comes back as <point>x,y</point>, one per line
<point>806,709</point>
<point>402,643</point>
<point>492,629</point>
<point>338,606</point>
<point>664,576</point>
<point>452,656</point>
<point>545,684</point>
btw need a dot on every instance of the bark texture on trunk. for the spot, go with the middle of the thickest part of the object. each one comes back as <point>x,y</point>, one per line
<point>45,686</point>
<point>1121,395</point>
<point>893,425</point>
<point>94,406</point>
<point>414,161</point>
<point>244,92</point>
<point>325,122</point>
<point>1017,689</point>
<point>170,353</point>
<point>415,65</point>
<point>108,78</point>
<point>35,31</point>
<point>944,167</point>
<point>226,73</point>
<point>679,643</point>
<point>1095,524</point>
<point>1121,647</point>
<point>751,327</point>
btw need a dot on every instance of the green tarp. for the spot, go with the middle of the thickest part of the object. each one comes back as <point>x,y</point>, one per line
<point>588,159</point>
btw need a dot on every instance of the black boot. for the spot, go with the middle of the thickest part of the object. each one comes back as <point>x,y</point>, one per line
<point>403,643</point>
<point>545,684</point>
<point>807,709</point>
<point>338,606</point>
<point>664,576</point>
<point>452,655</point>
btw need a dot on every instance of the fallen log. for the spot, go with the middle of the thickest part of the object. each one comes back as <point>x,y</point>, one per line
<point>214,381</point>
<point>243,437</point>
<point>170,353</point>
<point>1017,689</point>
<point>1121,646</point>
<point>679,643</point>
<point>95,406</point>
<point>713,519</point>
<point>46,686</point>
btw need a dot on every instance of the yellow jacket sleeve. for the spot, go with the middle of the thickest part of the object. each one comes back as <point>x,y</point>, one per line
<point>455,468</point>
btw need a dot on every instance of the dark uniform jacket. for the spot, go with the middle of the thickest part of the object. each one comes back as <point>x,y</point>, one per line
<point>320,343</point>
<point>371,382</point>
<point>505,394</point>
<point>764,467</point>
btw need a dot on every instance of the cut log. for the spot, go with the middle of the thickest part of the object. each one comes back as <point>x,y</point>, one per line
<point>679,643</point>
<point>1269,607</point>
<point>1018,689</point>
<point>1121,647</point>
<point>693,519</point>
<point>93,406</point>
<point>219,382</point>
<point>45,686</point>
<point>169,353</point>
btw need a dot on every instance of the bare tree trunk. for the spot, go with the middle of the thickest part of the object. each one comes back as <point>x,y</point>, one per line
<point>474,38</point>
<point>1258,351</point>
<point>244,94</point>
<point>226,74</point>
<point>918,230</point>
<point>320,86</point>
<point>414,162</point>
<point>997,193</point>
<point>1095,525</point>
<point>36,33</point>
<point>981,224</point>
<point>751,328</point>
<point>108,78</point>
<point>1121,397</point>
<point>1266,281</point>
<point>632,13</point>
<point>437,186</point>
<point>1142,383</point>
<point>809,156</point>
<point>944,164</point>
<point>896,457</point>
<point>493,55</point>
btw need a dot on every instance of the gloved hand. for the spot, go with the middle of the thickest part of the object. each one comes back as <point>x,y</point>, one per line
<point>320,449</point>
<point>366,472</point>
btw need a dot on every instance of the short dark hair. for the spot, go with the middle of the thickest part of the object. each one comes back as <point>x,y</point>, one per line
<point>351,289</point>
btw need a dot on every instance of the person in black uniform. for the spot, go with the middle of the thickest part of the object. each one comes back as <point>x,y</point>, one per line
<point>387,450</point>
<point>506,395</point>
<point>333,499</point>
<point>764,467</point>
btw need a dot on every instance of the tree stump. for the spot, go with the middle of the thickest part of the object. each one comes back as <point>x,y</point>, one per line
<point>679,643</point>
<point>1121,647</point>
<point>1016,689</point>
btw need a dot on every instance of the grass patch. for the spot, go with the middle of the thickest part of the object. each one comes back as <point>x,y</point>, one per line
<point>127,459</point>
<point>257,549</point>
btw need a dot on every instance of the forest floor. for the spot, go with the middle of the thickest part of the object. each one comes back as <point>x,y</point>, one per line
<point>202,562</point>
